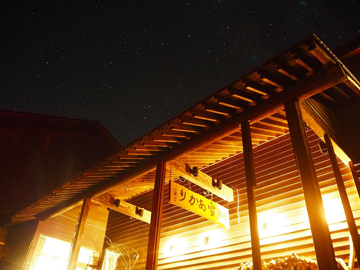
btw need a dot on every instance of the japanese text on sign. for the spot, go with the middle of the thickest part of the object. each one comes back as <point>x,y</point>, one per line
<point>198,204</point>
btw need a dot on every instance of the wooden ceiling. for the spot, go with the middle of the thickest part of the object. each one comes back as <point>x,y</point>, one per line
<point>209,131</point>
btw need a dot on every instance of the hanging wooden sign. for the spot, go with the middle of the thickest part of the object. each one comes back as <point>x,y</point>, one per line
<point>202,180</point>
<point>198,204</point>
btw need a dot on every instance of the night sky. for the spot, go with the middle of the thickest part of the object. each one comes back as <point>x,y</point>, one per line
<point>135,64</point>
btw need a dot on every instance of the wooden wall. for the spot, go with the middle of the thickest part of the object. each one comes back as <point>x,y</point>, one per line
<point>280,204</point>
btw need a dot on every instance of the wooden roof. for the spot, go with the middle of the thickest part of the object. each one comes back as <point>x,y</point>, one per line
<point>39,153</point>
<point>209,131</point>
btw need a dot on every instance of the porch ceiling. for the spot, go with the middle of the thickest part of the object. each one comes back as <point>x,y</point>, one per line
<point>209,131</point>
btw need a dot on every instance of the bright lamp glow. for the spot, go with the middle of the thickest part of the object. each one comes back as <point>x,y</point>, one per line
<point>271,224</point>
<point>211,239</point>
<point>175,246</point>
<point>54,255</point>
<point>334,210</point>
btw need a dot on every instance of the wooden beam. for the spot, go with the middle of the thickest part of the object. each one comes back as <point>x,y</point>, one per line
<point>79,231</point>
<point>344,197</point>
<point>250,186</point>
<point>355,177</point>
<point>155,225</point>
<point>202,180</point>
<point>313,200</point>
<point>322,80</point>
<point>124,208</point>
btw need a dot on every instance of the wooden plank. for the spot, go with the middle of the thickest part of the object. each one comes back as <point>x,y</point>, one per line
<point>184,128</point>
<point>217,109</point>
<point>157,144</point>
<point>176,134</point>
<point>250,186</point>
<point>204,115</point>
<point>194,122</point>
<point>272,79</point>
<point>258,88</point>
<point>245,95</point>
<point>124,208</point>
<point>202,180</point>
<point>344,197</point>
<point>236,104</point>
<point>166,139</point>
<point>314,204</point>
<point>288,71</point>
<point>198,204</point>
<point>155,225</point>
<point>319,53</point>
<point>79,231</point>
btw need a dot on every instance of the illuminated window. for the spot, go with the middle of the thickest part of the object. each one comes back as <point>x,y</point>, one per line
<point>51,253</point>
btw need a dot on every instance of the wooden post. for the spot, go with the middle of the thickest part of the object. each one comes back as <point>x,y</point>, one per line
<point>355,177</point>
<point>250,186</point>
<point>104,247</point>
<point>76,244</point>
<point>156,213</point>
<point>343,195</point>
<point>314,204</point>
<point>102,254</point>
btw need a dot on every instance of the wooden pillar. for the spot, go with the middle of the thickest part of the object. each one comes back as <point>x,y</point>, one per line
<point>102,254</point>
<point>104,247</point>
<point>355,177</point>
<point>343,195</point>
<point>156,213</point>
<point>314,204</point>
<point>250,186</point>
<point>79,231</point>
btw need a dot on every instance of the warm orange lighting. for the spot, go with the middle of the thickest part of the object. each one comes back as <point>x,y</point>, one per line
<point>334,210</point>
<point>271,224</point>
<point>175,246</point>
<point>211,239</point>
<point>54,255</point>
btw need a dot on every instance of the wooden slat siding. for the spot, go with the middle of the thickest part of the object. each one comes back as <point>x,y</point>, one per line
<point>279,189</point>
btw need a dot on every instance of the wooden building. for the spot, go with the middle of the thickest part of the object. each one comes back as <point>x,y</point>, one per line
<point>256,145</point>
<point>38,154</point>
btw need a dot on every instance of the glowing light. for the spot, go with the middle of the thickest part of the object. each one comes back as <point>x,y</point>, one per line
<point>270,224</point>
<point>334,210</point>
<point>211,239</point>
<point>175,246</point>
<point>54,255</point>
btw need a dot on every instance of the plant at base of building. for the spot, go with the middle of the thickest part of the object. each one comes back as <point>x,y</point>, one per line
<point>292,262</point>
